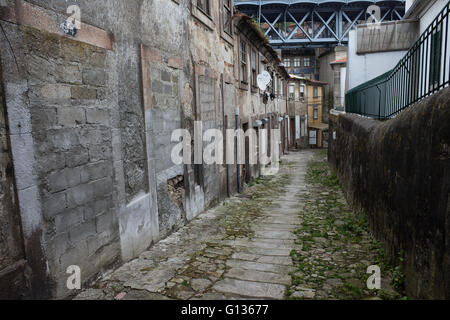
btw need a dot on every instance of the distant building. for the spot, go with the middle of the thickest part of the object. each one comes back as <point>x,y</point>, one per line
<point>317,130</point>
<point>306,100</point>
<point>333,69</point>
<point>302,63</point>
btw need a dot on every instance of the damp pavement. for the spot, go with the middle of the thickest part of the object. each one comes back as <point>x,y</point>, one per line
<point>291,236</point>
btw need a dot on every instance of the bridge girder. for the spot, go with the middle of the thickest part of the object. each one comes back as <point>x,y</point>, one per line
<point>316,23</point>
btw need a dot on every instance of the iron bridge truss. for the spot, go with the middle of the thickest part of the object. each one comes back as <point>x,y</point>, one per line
<point>291,24</point>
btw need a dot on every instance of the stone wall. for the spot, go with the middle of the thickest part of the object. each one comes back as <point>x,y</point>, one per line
<point>398,173</point>
<point>13,284</point>
<point>91,118</point>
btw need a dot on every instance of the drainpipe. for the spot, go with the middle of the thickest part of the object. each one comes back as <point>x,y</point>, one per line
<point>287,113</point>
<point>238,168</point>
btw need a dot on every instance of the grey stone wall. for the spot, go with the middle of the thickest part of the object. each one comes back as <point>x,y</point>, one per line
<point>12,278</point>
<point>90,129</point>
<point>71,128</point>
<point>398,173</point>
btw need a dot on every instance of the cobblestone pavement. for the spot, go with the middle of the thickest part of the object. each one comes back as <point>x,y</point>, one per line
<point>285,238</point>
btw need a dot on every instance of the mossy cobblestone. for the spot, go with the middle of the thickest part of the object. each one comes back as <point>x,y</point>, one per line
<point>290,236</point>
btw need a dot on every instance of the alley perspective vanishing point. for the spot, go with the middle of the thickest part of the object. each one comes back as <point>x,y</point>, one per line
<point>196,150</point>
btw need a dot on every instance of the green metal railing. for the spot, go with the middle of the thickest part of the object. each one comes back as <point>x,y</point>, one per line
<point>421,72</point>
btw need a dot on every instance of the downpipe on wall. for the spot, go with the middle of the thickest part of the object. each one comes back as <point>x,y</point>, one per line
<point>238,169</point>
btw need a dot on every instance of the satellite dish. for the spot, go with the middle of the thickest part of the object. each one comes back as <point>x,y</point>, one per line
<point>263,80</point>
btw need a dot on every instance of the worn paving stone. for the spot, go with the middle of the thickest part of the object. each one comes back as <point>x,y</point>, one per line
<point>336,245</point>
<point>266,267</point>
<point>200,284</point>
<point>258,276</point>
<point>251,289</point>
<point>285,261</point>
<point>286,237</point>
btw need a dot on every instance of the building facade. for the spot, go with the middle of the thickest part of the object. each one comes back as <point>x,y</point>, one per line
<point>317,129</point>
<point>87,122</point>
<point>333,70</point>
<point>306,108</point>
<point>302,63</point>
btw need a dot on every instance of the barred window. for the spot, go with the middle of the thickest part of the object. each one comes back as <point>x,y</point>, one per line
<point>205,6</point>
<point>243,62</point>
<point>227,16</point>
<point>255,64</point>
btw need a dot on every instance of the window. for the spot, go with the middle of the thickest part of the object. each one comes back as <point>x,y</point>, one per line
<point>243,62</point>
<point>316,92</point>
<point>287,63</point>
<point>302,91</point>
<point>291,91</point>
<point>297,62</point>
<point>254,58</point>
<point>436,57</point>
<point>316,113</point>
<point>227,16</point>
<point>307,62</point>
<point>205,6</point>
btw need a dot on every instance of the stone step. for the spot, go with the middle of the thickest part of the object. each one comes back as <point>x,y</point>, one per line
<point>265,267</point>
<point>256,244</point>
<point>271,252</point>
<point>284,261</point>
<point>283,235</point>
<point>251,289</point>
<point>258,276</point>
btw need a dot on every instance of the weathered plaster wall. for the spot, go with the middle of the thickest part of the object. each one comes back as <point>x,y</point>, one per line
<point>398,173</point>
<point>13,284</point>
<point>90,123</point>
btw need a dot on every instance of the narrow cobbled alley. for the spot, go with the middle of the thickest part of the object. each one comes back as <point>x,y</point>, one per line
<point>288,237</point>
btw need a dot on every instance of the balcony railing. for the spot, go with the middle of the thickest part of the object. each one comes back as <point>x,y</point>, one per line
<point>424,70</point>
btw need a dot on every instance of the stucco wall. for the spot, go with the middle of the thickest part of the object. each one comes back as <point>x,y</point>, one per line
<point>398,173</point>
<point>362,68</point>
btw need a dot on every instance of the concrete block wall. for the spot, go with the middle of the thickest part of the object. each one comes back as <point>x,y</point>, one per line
<point>90,120</point>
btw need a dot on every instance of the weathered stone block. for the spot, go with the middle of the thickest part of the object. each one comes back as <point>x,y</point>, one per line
<point>96,171</point>
<point>69,74</point>
<point>97,59</point>
<point>48,162</point>
<point>105,222</point>
<point>100,152</point>
<point>54,204</point>
<point>55,92</point>
<point>68,220</point>
<point>80,195</point>
<point>77,156</point>
<point>83,93</point>
<point>65,179</point>
<point>102,187</point>
<point>73,51</point>
<point>71,117</point>
<point>82,231</point>
<point>97,116</point>
<point>94,77</point>
<point>43,117</point>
